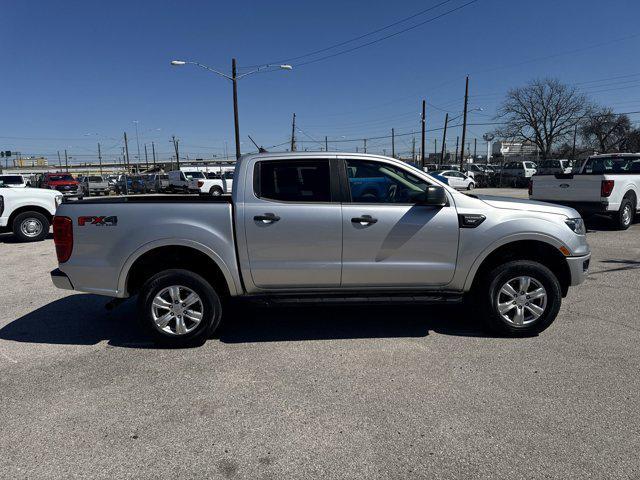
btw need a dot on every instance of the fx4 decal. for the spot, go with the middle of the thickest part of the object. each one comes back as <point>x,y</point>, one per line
<point>107,221</point>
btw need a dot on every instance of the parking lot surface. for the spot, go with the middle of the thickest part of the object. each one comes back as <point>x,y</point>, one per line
<point>395,392</point>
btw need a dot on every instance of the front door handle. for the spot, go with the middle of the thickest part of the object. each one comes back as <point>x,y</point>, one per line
<point>267,218</point>
<point>364,220</point>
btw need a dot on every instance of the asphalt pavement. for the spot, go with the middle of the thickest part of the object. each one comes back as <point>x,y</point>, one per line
<point>394,392</point>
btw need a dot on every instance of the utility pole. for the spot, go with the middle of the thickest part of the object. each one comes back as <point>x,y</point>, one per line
<point>464,121</point>
<point>175,146</point>
<point>326,144</point>
<point>66,160</point>
<point>435,147</point>
<point>413,149</point>
<point>137,142</point>
<point>146,157</point>
<point>153,153</point>
<point>365,145</point>
<point>423,126</point>
<point>393,143</point>
<point>475,148</point>
<point>444,137</point>
<point>236,122</point>
<point>457,142</point>
<point>293,133</point>
<point>100,158</point>
<point>126,150</point>
<point>59,160</point>
<point>573,150</point>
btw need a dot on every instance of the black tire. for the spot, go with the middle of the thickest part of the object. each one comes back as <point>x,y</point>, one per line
<point>211,308</point>
<point>471,186</point>
<point>36,220</point>
<point>486,297</point>
<point>623,218</point>
<point>216,191</point>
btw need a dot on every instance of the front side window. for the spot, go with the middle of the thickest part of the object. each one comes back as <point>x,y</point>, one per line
<point>377,182</point>
<point>293,181</point>
<point>12,179</point>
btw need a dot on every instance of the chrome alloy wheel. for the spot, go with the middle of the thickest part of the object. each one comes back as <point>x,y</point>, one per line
<point>177,310</point>
<point>626,215</point>
<point>31,227</point>
<point>521,301</point>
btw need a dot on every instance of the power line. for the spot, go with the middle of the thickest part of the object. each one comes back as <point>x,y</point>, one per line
<point>360,37</point>
<point>386,37</point>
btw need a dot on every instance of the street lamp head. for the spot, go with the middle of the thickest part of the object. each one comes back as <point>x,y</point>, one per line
<point>286,67</point>
<point>178,62</point>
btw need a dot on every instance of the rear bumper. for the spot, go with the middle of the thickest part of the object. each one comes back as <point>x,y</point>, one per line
<point>579,268</point>
<point>61,280</point>
<point>585,208</point>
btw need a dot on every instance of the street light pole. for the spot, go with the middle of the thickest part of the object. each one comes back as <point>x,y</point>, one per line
<point>137,141</point>
<point>234,80</point>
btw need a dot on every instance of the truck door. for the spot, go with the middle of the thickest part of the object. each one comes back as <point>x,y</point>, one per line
<point>293,224</point>
<point>389,240</point>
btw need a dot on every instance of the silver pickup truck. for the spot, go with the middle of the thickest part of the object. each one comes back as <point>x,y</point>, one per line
<point>330,228</point>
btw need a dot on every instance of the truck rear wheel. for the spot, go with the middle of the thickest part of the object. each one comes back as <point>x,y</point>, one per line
<point>216,191</point>
<point>624,217</point>
<point>179,308</point>
<point>30,227</point>
<point>519,298</point>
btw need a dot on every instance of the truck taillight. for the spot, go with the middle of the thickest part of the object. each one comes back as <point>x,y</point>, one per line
<point>63,237</point>
<point>606,187</point>
<point>530,186</point>
<point>200,183</point>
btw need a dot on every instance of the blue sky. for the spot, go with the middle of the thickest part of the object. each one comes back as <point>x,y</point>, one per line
<point>86,67</point>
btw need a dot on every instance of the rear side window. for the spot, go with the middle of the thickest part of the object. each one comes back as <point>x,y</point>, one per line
<point>293,181</point>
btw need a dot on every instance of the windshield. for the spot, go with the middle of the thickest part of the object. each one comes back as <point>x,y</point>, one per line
<point>194,175</point>
<point>57,178</point>
<point>94,179</point>
<point>11,179</point>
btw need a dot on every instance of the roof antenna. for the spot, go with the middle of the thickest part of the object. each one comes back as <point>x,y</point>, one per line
<point>260,149</point>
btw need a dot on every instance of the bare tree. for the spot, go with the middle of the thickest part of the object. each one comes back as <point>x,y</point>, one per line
<point>606,131</point>
<point>542,112</point>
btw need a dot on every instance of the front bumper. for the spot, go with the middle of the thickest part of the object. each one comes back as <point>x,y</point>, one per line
<point>60,279</point>
<point>579,268</point>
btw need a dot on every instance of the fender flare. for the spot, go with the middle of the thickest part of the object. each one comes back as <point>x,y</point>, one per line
<point>516,237</point>
<point>171,242</point>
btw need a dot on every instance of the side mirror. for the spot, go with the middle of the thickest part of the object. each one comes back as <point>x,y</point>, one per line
<point>435,195</point>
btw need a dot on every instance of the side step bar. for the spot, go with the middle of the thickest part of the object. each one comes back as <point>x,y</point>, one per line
<point>357,299</point>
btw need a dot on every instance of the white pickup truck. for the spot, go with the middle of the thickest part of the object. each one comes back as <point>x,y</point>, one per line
<point>28,212</point>
<point>606,184</point>
<point>213,186</point>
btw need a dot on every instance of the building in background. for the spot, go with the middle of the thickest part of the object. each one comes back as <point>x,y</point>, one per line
<point>31,162</point>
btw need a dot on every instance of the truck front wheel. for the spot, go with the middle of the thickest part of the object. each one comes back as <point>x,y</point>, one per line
<point>179,308</point>
<point>519,298</point>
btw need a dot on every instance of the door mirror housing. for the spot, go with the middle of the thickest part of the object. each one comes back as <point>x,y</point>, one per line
<point>435,196</point>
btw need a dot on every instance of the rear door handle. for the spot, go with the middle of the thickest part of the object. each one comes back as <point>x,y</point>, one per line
<point>267,218</point>
<point>364,220</point>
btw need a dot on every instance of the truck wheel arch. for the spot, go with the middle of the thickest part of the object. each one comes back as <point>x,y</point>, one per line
<point>30,208</point>
<point>539,250</point>
<point>160,255</point>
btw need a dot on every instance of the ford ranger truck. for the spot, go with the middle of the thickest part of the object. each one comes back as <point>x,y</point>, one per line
<point>606,184</point>
<point>301,228</point>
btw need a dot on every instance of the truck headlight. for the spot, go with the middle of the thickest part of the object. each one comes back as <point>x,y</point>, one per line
<point>577,225</point>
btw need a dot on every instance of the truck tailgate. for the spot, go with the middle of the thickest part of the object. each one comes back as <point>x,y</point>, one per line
<point>570,188</point>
